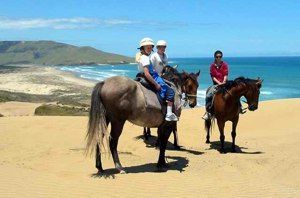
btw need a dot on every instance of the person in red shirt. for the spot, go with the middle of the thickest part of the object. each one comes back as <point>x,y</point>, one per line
<point>219,76</point>
<point>219,69</point>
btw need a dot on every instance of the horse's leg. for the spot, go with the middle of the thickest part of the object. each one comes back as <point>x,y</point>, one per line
<point>157,144</point>
<point>221,125</point>
<point>116,130</point>
<point>98,160</point>
<point>148,132</point>
<point>145,134</point>
<point>233,133</point>
<point>176,146</point>
<point>98,154</point>
<point>164,134</point>
<point>207,127</point>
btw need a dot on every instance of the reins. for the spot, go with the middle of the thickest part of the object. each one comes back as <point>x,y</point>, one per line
<point>184,96</point>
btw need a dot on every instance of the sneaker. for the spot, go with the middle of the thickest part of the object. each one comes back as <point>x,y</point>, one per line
<point>171,117</point>
<point>206,116</point>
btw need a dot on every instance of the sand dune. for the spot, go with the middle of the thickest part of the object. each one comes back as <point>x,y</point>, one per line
<point>18,108</point>
<point>43,157</point>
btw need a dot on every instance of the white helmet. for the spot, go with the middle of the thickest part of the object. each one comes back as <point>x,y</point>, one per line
<point>161,43</point>
<point>146,41</point>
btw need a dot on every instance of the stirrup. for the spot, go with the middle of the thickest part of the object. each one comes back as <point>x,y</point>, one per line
<point>206,116</point>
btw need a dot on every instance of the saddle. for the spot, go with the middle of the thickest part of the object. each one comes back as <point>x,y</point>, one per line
<point>152,98</point>
<point>141,78</point>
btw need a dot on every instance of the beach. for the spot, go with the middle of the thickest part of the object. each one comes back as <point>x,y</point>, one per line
<point>43,156</point>
<point>42,84</point>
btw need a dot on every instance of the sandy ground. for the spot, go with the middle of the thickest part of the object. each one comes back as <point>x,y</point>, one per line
<point>18,108</point>
<point>43,157</point>
<point>40,80</point>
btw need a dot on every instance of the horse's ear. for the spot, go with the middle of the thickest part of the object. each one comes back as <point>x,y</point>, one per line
<point>198,73</point>
<point>184,74</point>
<point>259,82</point>
<point>175,66</point>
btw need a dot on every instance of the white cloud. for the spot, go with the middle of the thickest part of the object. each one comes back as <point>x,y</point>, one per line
<point>60,23</point>
<point>84,23</point>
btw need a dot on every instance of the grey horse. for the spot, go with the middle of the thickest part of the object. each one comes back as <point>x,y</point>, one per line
<point>118,99</point>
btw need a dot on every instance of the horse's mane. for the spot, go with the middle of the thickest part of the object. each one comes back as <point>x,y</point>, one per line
<point>175,72</point>
<point>194,77</point>
<point>233,83</point>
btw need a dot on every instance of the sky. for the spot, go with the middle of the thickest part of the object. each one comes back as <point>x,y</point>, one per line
<point>192,28</point>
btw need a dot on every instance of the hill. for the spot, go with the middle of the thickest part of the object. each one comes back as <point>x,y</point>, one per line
<point>54,53</point>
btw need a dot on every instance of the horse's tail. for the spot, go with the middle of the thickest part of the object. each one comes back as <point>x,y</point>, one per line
<point>209,123</point>
<point>97,127</point>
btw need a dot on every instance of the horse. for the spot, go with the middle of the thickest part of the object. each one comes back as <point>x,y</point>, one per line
<point>171,74</point>
<point>119,99</point>
<point>226,105</point>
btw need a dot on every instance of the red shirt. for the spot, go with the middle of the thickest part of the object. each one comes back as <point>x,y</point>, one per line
<point>219,72</point>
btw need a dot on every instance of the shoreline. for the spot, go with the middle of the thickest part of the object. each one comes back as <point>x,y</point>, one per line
<point>48,81</point>
<point>43,84</point>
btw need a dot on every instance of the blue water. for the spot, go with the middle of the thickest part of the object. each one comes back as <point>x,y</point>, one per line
<point>281,75</point>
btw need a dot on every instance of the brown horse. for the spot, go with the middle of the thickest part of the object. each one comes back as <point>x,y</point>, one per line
<point>184,82</point>
<point>116,100</point>
<point>226,105</point>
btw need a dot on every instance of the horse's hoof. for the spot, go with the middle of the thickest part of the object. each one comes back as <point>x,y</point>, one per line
<point>122,171</point>
<point>100,171</point>
<point>99,174</point>
<point>207,142</point>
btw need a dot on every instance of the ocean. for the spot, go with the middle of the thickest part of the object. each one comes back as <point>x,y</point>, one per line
<point>281,75</point>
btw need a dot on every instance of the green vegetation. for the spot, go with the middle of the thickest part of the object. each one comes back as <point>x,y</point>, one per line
<point>56,110</point>
<point>53,53</point>
<point>82,100</point>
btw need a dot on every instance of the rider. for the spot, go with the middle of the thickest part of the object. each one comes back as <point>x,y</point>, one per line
<point>145,66</point>
<point>219,76</point>
<point>160,59</point>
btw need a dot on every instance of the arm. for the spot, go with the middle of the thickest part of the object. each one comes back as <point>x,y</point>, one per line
<point>225,79</point>
<point>149,77</point>
<point>225,73</point>
<point>216,81</point>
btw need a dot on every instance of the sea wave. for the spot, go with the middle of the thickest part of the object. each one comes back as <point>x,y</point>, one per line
<point>266,92</point>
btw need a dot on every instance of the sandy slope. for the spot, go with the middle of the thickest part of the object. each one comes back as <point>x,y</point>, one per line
<point>18,108</point>
<point>40,80</point>
<point>43,157</point>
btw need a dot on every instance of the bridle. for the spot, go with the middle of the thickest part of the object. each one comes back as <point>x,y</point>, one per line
<point>244,101</point>
<point>186,97</point>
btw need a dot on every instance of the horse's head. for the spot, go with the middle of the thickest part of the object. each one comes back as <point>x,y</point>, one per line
<point>252,93</point>
<point>188,82</point>
<point>171,74</point>
<point>189,87</point>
